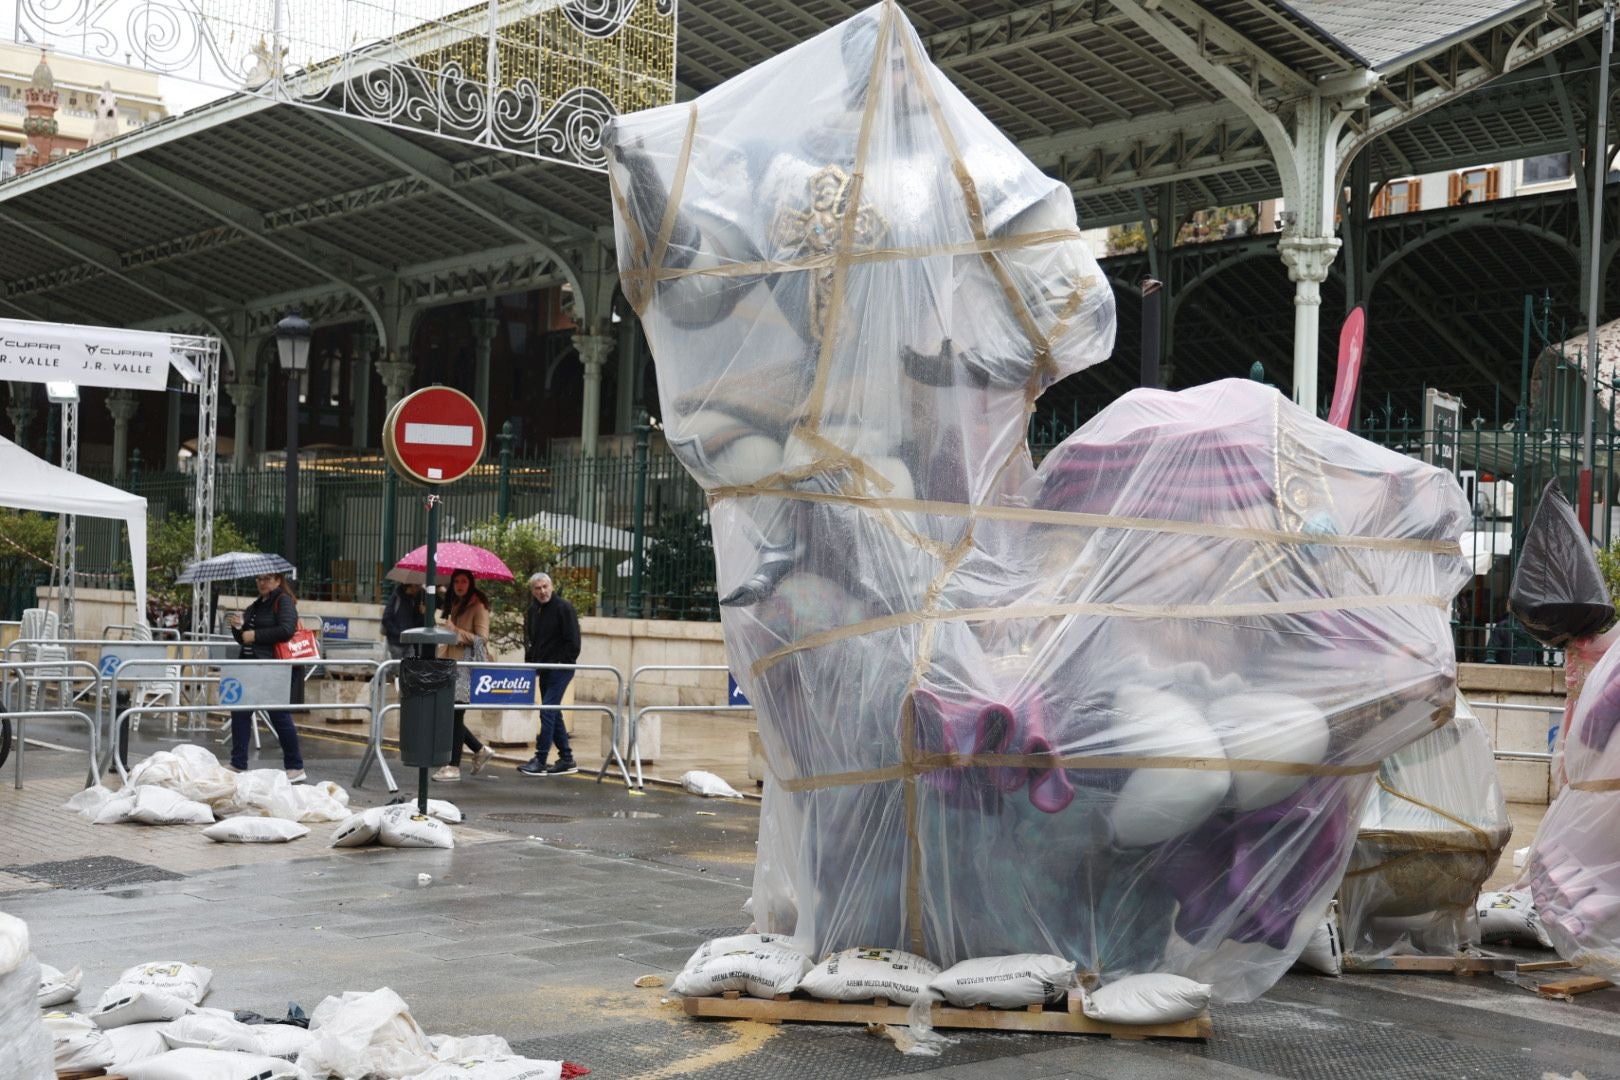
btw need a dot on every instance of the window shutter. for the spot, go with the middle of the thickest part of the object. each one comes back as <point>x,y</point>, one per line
<point>1414,196</point>
<point>1493,183</point>
<point>1454,189</point>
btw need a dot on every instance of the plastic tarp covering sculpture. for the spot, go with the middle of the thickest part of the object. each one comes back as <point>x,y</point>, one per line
<point>1574,866</point>
<point>1430,836</point>
<point>1123,709</point>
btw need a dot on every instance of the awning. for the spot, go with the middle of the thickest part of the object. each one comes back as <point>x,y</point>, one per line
<point>35,484</point>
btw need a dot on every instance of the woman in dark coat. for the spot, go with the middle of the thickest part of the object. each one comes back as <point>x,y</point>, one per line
<point>268,621</point>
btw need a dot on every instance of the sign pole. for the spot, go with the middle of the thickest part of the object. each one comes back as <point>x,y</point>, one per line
<point>430,587</point>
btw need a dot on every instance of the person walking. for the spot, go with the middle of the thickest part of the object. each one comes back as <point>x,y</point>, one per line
<point>406,610</point>
<point>550,636</point>
<point>267,622</point>
<point>466,611</point>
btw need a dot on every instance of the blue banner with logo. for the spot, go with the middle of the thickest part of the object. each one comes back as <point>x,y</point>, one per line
<point>500,686</point>
<point>336,629</point>
<point>734,694</point>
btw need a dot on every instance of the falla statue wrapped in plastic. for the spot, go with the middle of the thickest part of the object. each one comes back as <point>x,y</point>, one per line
<point>1124,708</point>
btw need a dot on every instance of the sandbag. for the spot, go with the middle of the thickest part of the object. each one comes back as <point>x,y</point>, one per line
<point>137,1006</point>
<point>78,1043</point>
<point>1510,916</point>
<point>1558,591</point>
<point>188,982</point>
<point>1006,982</point>
<point>399,827</point>
<point>283,1040</point>
<point>1324,952</point>
<point>358,830</point>
<point>761,971</point>
<point>56,987</point>
<point>88,803</point>
<point>445,811</point>
<point>463,1047</point>
<point>363,1034</point>
<point>136,1042</point>
<point>194,1064</point>
<point>268,793</point>
<point>1155,998</point>
<point>734,943</point>
<point>699,782</point>
<point>209,1031</point>
<point>255,830</point>
<point>152,805</point>
<point>861,974</point>
<point>190,771</point>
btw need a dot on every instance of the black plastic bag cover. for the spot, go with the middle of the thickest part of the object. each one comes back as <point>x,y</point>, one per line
<point>1558,591</point>
<point>420,676</point>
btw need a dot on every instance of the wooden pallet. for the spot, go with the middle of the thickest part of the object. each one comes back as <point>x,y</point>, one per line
<point>1054,1021</point>
<point>1445,965</point>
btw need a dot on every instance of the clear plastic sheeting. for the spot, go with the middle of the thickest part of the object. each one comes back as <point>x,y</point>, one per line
<point>1430,836</point>
<point>1123,709</point>
<point>1573,870</point>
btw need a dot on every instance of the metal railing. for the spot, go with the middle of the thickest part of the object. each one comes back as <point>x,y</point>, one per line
<point>18,670</point>
<point>635,714</point>
<point>222,666</point>
<point>380,709</point>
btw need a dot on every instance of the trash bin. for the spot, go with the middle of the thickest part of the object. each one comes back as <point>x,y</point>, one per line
<point>427,701</point>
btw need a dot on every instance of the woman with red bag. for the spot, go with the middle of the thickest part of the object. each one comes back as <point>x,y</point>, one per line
<point>268,621</point>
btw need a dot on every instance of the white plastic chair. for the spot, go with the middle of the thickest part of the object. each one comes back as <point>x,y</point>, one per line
<point>163,690</point>
<point>41,624</point>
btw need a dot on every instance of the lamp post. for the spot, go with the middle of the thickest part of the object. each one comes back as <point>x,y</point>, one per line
<point>292,347</point>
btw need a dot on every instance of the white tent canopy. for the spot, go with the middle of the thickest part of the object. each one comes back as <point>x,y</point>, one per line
<point>32,483</point>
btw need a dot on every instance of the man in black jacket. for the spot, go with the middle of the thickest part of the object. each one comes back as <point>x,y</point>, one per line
<point>550,636</point>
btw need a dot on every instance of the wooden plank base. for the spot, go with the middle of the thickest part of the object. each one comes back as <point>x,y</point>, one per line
<point>1054,1021</point>
<point>1447,965</point>
<point>1566,989</point>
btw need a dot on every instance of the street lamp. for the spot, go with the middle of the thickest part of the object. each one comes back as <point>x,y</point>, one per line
<point>292,347</point>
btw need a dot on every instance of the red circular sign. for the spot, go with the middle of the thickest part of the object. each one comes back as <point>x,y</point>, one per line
<point>435,435</point>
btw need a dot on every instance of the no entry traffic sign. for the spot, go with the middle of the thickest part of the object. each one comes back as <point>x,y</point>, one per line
<point>434,436</point>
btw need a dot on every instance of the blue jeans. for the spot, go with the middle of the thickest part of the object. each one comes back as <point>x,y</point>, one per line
<point>280,722</point>
<point>552,728</point>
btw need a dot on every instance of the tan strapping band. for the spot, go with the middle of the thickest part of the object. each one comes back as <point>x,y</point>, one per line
<point>1597,785</point>
<point>1113,611</point>
<point>765,488</point>
<point>827,259</point>
<point>916,763</point>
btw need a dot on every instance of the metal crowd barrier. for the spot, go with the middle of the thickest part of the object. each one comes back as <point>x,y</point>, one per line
<point>243,702</point>
<point>1505,706</point>
<point>635,714</point>
<point>379,710</point>
<point>18,670</point>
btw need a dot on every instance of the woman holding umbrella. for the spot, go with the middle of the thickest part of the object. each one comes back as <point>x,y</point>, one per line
<point>466,611</point>
<point>268,621</point>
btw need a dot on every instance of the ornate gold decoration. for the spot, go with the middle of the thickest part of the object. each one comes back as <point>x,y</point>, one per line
<point>816,231</point>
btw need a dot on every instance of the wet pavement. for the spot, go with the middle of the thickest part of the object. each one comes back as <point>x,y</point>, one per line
<point>562,892</point>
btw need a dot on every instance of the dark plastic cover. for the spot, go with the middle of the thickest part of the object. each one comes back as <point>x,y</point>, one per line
<point>1558,591</point>
<point>419,677</point>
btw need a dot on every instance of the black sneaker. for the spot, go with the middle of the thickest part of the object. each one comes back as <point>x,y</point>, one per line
<point>535,766</point>
<point>562,768</point>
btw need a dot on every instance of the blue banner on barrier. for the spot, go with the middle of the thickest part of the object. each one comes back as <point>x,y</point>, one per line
<point>500,686</point>
<point>336,629</point>
<point>734,694</point>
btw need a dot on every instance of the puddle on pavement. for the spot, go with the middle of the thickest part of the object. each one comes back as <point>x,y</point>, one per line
<point>633,814</point>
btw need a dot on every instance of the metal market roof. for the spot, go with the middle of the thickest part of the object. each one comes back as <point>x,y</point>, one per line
<point>244,206</point>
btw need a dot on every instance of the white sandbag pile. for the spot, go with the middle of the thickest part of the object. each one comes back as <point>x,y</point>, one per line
<point>373,1034</point>
<point>397,826</point>
<point>78,1043</point>
<point>25,1044</point>
<point>188,785</point>
<point>1510,916</point>
<point>165,990</point>
<point>194,1064</point>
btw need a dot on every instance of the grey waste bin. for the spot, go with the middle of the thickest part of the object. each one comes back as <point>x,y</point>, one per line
<point>427,701</point>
